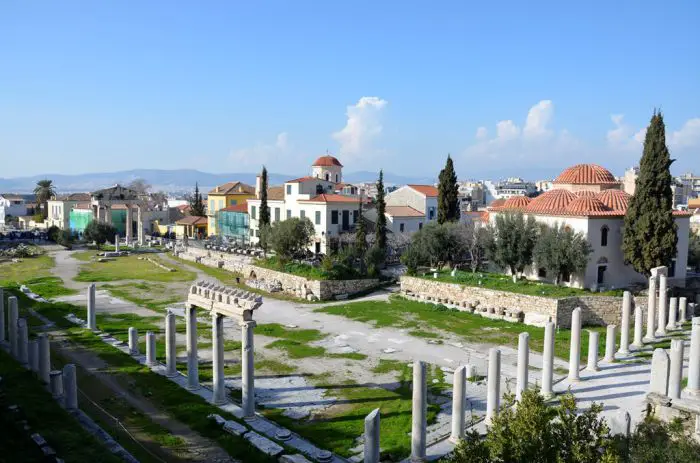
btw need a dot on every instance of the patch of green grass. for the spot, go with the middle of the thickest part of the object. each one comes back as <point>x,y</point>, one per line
<point>160,296</point>
<point>348,355</point>
<point>389,365</point>
<point>274,366</point>
<point>232,345</point>
<point>45,416</point>
<point>296,349</point>
<point>275,330</point>
<point>49,287</point>
<point>130,268</point>
<point>28,268</point>
<point>500,282</point>
<point>423,334</point>
<point>403,313</point>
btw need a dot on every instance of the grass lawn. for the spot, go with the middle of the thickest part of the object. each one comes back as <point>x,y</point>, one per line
<point>163,393</point>
<point>502,282</point>
<point>423,318</point>
<point>295,342</point>
<point>45,416</point>
<point>128,268</point>
<point>152,295</point>
<point>35,272</point>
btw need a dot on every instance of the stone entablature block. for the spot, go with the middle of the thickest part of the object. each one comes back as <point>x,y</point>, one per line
<point>224,301</point>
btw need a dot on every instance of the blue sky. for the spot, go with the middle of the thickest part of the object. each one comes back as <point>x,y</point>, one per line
<point>506,87</point>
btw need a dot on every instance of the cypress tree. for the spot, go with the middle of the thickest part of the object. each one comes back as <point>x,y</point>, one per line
<point>650,234</point>
<point>380,232</point>
<point>448,194</point>
<point>196,203</point>
<point>264,209</point>
<point>360,233</point>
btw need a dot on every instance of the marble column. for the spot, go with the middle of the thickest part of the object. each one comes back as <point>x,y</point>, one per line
<point>12,318</point>
<point>663,306</point>
<point>625,329</point>
<point>458,400</point>
<point>70,387</point>
<point>593,338</point>
<point>672,309</point>
<point>493,384</point>
<point>575,348</point>
<point>34,355</point>
<point>56,383</point>
<point>129,224</point>
<point>217,338</point>
<point>170,345</point>
<point>91,309</point>
<point>523,364</point>
<point>651,311</point>
<point>150,348</point>
<point>675,376</point>
<point>116,243</point>
<point>133,341</point>
<point>682,311</point>
<point>694,359</point>
<point>610,335</point>
<point>192,359</point>
<point>248,369</point>
<point>139,224</point>
<point>22,342</point>
<point>108,215</point>
<point>419,414</point>
<point>44,357</point>
<point>659,372</point>
<point>548,360</point>
<point>2,316</point>
<point>372,437</point>
<point>638,328</point>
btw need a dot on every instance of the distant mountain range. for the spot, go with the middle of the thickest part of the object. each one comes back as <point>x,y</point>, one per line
<point>175,181</point>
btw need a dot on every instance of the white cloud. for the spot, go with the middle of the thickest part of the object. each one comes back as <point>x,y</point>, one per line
<point>538,118</point>
<point>482,133</point>
<point>688,136</point>
<point>363,126</point>
<point>261,153</point>
<point>623,136</point>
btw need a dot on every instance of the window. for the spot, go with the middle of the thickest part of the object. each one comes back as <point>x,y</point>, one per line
<point>317,218</point>
<point>277,214</point>
<point>334,217</point>
<point>542,272</point>
<point>431,213</point>
<point>604,235</point>
<point>221,204</point>
<point>253,212</point>
<point>289,189</point>
<point>289,213</point>
<point>328,176</point>
<point>355,215</point>
<point>302,213</point>
<point>233,202</point>
<point>401,227</point>
<point>211,205</point>
<point>319,189</point>
<point>672,269</point>
<point>420,225</point>
<point>336,178</point>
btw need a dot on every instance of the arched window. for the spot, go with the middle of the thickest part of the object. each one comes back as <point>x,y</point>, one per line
<point>336,178</point>
<point>604,235</point>
<point>319,189</point>
<point>328,176</point>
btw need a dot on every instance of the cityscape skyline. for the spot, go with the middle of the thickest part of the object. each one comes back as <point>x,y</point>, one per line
<point>222,90</point>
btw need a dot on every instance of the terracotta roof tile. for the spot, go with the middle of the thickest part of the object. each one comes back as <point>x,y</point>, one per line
<point>192,220</point>
<point>516,202</point>
<point>233,188</point>
<point>403,211</point>
<point>331,198</point>
<point>616,200</point>
<point>326,161</point>
<point>240,207</point>
<point>586,174</point>
<point>551,201</point>
<point>586,205</point>
<point>427,190</point>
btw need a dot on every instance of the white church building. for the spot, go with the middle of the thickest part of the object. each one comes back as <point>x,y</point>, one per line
<point>588,199</point>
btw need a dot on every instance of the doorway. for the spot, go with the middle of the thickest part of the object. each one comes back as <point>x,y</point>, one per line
<point>601,274</point>
<point>346,220</point>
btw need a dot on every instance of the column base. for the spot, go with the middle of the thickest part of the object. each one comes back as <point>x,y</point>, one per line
<point>548,395</point>
<point>250,418</point>
<point>647,339</point>
<point>592,370</point>
<point>660,334</point>
<point>219,402</point>
<point>574,380</point>
<point>190,387</point>
<point>455,440</point>
<point>171,375</point>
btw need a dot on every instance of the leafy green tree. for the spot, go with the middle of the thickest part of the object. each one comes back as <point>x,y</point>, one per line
<point>694,251</point>
<point>533,432</point>
<point>290,238</point>
<point>656,442</point>
<point>561,251</point>
<point>360,244</point>
<point>380,232</point>
<point>44,191</point>
<point>448,194</point>
<point>99,232</point>
<point>512,242</point>
<point>374,258</point>
<point>650,234</point>
<point>196,203</point>
<point>436,244</point>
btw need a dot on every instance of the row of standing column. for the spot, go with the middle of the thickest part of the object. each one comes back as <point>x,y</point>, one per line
<point>35,354</point>
<point>667,367</point>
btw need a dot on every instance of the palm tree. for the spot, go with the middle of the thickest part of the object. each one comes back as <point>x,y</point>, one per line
<point>44,190</point>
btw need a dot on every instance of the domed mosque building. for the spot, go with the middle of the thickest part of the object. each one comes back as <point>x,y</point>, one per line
<point>587,198</point>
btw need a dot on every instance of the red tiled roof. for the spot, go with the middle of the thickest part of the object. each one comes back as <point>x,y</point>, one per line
<point>551,201</point>
<point>427,190</point>
<point>585,193</point>
<point>516,202</point>
<point>326,161</point>
<point>615,200</point>
<point>240,207</point>
<point>305,179</point>
<point>331,198</point>
<point>403,211</point>
<point>694,203</point>
<point>586,205</point>
<point>496,203</point>
<point>479,216</point>
<point>192,220</point>
<point>183,207</point>
<point>586,174</point>
<point>233,188</point>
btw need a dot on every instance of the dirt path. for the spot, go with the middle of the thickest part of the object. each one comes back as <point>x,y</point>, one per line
<point>197,448</point>
<point>67,269</point>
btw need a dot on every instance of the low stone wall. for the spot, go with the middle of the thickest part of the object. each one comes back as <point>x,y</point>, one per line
<point>272,280</point>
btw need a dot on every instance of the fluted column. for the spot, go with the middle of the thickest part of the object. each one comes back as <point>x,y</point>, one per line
<point>693,387</point>
<point>663,306</point>
<point>44,357</point>
<point>91,309</point>
<point>638,328</point>
<point>139,224</point>
<point>129,225</point>
<point>22,342</point>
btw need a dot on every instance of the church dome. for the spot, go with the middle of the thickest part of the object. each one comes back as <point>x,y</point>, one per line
<point>326,161</point>
<point>516,202</point>
<point>583,193</point>
<point>586,174</point>
<point>552,201</point>
<point>586,205</point>
<point>616,200</point>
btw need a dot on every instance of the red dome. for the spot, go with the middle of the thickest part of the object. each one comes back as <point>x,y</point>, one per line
<point>552,201</point>
<point>497,203</point>
<point>586,205</point>
<point>616,200</point>
<point>326,161</point>
<point>516,202</point>
<point>586,174</point>
<point>583,193</point>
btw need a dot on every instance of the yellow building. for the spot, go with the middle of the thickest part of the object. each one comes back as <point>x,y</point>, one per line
<point>226,195</point>
<point>191,226</point>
